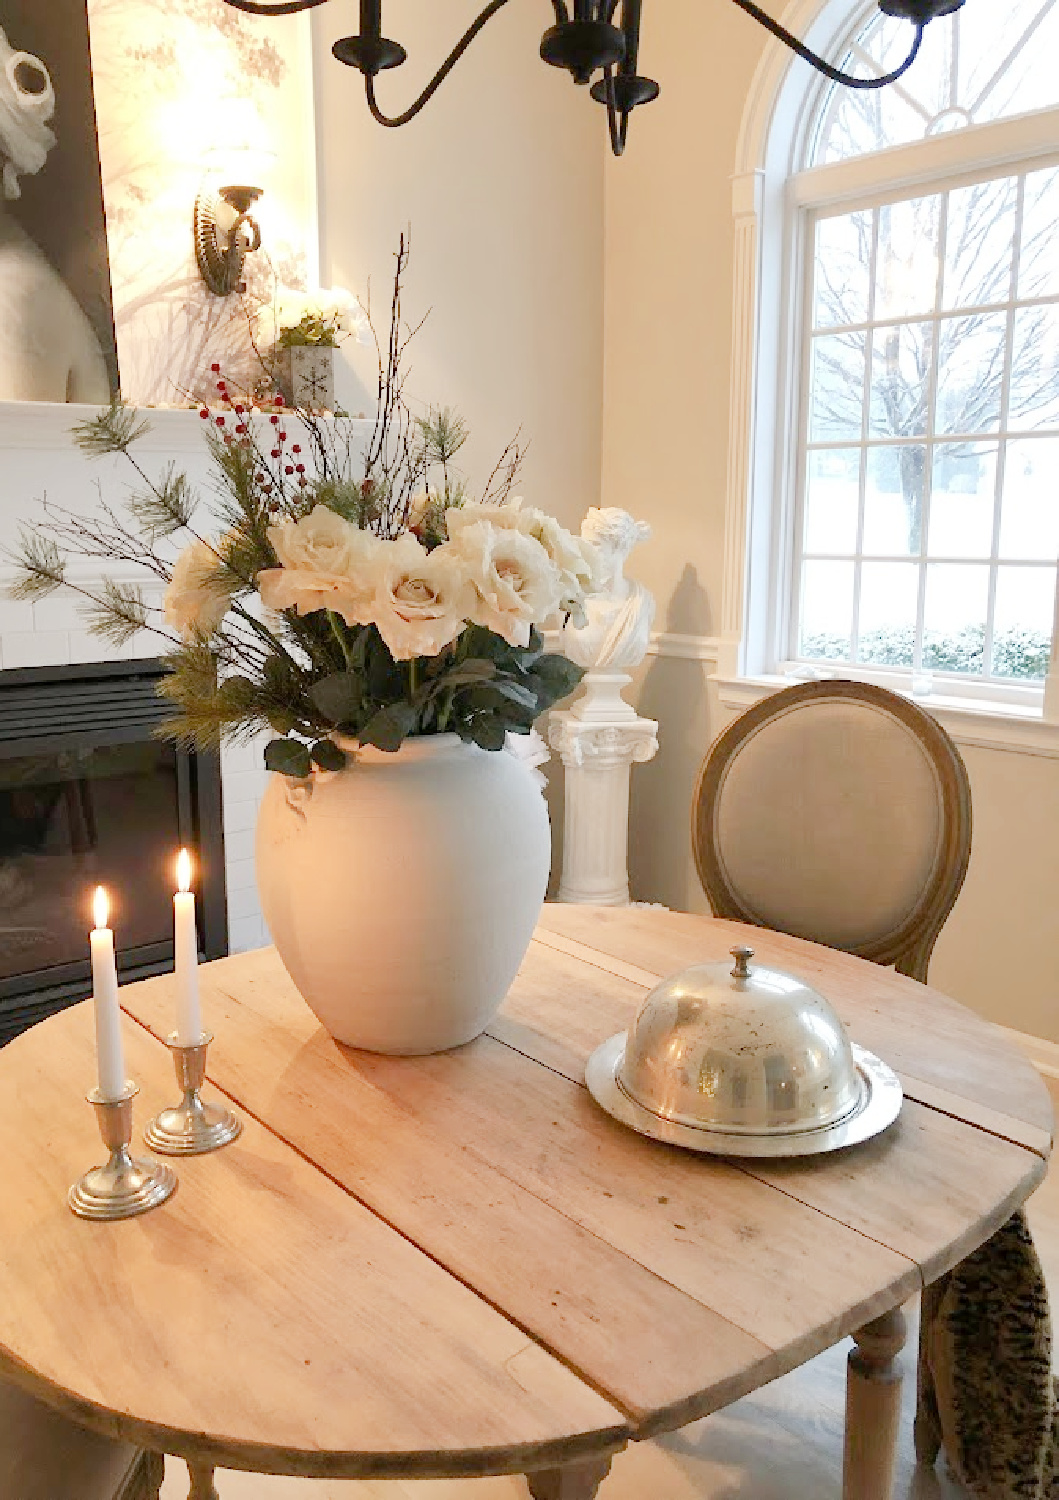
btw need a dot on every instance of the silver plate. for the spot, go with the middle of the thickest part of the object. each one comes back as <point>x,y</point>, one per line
<point>880,1105</point>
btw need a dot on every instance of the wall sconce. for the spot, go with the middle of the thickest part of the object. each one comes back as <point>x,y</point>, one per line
<point>225,234</point>
<point>225,231</point>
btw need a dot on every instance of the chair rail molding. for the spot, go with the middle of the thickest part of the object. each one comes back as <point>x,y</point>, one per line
<point>685,647</point>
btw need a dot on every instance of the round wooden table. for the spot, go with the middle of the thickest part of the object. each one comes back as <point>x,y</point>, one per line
<point>458,1265</point>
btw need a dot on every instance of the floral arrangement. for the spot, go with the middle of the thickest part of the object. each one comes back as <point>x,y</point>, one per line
<point>296,319</point>
<point>351,590</point>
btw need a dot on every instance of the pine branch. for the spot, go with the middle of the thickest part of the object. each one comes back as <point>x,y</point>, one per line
<point>120,614</point>
<point>41,566</point>
<point>110,431</point>
<point>443,433</point>
<point>166,509</point>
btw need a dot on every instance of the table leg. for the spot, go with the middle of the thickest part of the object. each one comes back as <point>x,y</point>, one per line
<point>201,1476</point>
<point>873,1408</point>
<point>578,1481</point>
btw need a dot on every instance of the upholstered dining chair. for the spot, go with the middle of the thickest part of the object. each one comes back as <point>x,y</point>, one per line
<point>44,1456</point>
<point>840,812</point>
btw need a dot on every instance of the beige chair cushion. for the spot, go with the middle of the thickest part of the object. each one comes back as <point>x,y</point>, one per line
<point>828,822</point>
<point>44,1456</point>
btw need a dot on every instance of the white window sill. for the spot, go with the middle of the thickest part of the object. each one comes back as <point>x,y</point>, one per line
<point>978,722</point>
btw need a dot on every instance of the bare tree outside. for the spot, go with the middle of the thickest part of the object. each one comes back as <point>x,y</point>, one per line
<point>933,413</point>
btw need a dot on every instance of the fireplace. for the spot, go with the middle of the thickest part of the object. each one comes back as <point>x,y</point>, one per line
<point>88,796</point>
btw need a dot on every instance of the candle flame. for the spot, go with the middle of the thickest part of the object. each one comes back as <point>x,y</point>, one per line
<point>100,907</point>
<point>183,870</point>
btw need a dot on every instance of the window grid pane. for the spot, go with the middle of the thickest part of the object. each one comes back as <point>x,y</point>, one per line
<point>980,63</point>
<point>957,456</point>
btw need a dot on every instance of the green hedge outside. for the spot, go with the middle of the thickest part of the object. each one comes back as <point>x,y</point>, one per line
<point>1017,653</point>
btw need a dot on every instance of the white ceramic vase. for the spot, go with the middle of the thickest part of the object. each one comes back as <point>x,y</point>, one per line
<point>402,892</point>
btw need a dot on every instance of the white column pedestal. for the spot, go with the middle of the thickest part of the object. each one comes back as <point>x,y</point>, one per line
<point>599,739</point>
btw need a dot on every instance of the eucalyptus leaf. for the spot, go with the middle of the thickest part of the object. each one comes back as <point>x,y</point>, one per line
<point>338,697</point>
<point>388,729</point>
<point>489,731</point>
<point>288,757</point>
<point>327,755</point>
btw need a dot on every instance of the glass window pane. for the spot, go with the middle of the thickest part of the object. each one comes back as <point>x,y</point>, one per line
<point>1022,624</point>
<point>980,226</point>
<point>893,499</point>
<point>954,617</point>
<point>1004,71</point>
<point>900,377</point>
<point>1029,515</point>
<point>889,599</point>
<point>837,385</point>
<point>843,265</point>
<point>1034,400</point>
<point>826,632</point>
<point>982,62</point>
<point>832,500</point>
<point>971,355</point>
<point>906,281</point>
<point>962,500</point>
<point>1038,262</point>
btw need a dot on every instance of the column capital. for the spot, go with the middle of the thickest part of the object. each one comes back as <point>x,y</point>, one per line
<point>583,742</point>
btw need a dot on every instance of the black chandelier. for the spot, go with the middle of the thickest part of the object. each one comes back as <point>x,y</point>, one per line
<point>584,40</point>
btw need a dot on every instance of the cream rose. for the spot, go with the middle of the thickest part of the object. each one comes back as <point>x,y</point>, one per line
<point>196,600</point>
<point>576,560</point>
<point>422,599</point>
<point>515,581</point>
<point>328,563</point>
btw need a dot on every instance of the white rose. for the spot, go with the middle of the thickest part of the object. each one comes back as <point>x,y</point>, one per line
<point>422,599</point>
<point>196,600</point>
<point>576,560</point>
<point>327,563</point>
<point>515,581</point>
<point>509,517</point>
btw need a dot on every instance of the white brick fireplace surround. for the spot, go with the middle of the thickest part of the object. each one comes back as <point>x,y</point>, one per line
<point>38,458</point>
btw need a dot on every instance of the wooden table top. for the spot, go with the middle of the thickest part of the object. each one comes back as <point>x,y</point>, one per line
<point>459,1264</point>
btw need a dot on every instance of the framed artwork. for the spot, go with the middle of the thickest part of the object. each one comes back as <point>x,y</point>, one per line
<point>57,338</point>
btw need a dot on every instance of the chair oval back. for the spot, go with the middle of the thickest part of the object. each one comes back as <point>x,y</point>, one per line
<point>840,812</point>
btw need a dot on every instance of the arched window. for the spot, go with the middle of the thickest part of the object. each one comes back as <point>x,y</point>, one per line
<point>906,448</point>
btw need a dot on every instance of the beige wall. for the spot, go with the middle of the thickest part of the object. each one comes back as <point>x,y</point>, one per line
<point>667,343</point>
<point>501,181</point>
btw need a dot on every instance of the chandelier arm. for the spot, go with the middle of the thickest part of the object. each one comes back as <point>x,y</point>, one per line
<point>835,74</point>
<point>439,77</point>
<point>285,8</point>
<point>617,120</point>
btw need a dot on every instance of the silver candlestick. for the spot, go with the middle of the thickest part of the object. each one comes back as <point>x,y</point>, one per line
<point>127,1185</point>
<point>191,1127</point>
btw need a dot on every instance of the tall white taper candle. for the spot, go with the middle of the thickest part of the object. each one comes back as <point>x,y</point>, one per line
<point>186,957</point>
<point>110,1056</point>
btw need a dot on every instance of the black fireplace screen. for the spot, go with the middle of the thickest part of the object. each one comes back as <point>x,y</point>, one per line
<point>89,797</point>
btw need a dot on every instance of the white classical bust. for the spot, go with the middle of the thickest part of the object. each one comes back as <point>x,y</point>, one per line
<point>48,349</point>
<point>617,630</point>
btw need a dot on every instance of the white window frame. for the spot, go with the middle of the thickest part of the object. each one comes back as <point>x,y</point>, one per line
<point>771,203</point>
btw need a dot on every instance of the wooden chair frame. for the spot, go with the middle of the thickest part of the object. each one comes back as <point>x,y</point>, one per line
<point>909,946</point>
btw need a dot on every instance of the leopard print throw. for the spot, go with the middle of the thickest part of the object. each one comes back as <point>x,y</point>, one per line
<point>986,1392</point>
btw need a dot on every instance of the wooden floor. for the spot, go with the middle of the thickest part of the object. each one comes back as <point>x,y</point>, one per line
<point>783,1443</point>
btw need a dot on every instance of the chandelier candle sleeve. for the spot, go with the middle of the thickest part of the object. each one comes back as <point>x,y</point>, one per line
<point>110,1056</point>
<point>186,957</point>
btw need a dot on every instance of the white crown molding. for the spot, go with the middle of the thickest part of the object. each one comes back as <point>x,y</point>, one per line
<point>684,647</point>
